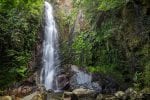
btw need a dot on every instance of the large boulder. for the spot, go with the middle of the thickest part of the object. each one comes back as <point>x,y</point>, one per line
<point>54,96</point>
<point>70,96</point>
<point>23,88</point>
<point>81,78</point>
<point>72,77</point>
<point>44,96</point>
<point>131,93</point>
<point>108,84</point>
<point>22,91</point>
<point>106,97</point>
<point>80,94</point>
<point>120,95</point>
<point>63,82</point>
<point>99,97</point>
<point>32,96</point>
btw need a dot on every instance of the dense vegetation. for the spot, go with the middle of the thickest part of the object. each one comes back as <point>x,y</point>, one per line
<point>113,39</point>
<point>19,28</point>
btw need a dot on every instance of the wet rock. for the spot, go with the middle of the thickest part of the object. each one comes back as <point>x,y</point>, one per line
<point>26,90</point>
<point>131,94</point>
<point>120,95</point>
<point>54,96</point>
<point>146,96</point>
<point>44,96</point>
<point>130,91</point>
<point>96,87</point>
<point>73,77</point>
<point>22,91</point>
<point>63,82</point>
<point>108,84</point>
<point>50,91</point>
<point>37,97</point>
<point>69,96</point>
<point>107,97</point>
<point>81,78</point>
<point>111,98</point>
<point>85,93</point>
<point>99,97</point>
<point>32,96</point>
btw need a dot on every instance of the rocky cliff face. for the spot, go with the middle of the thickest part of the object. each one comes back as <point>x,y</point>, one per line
<point>63,9</point>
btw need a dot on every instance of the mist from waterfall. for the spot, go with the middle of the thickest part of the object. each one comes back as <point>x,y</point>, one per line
<point>50,50</point>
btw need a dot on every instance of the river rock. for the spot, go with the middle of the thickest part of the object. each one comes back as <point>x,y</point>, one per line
<point>33,96</point>
<point>130,91</point>
<point>131,94</point>
<point>120,95</point>
<point>22,91</point>
<point>99,97</point>
<point>37,97</point>
<point>69,96</point>
<point>54,96</point>
<point>106,97</point>
<point>6,98</point>
<point>111,98</point>
<point>81,92</point>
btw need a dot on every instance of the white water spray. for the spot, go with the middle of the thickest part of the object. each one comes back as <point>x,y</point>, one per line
<point>50,50</point>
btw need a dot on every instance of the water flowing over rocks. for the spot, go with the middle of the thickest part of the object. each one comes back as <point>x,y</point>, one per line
<point>73,78</point>
<point>82,79</point>
<point>50,58</point>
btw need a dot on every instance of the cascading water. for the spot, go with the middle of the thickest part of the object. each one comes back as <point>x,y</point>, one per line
<point>50,50</point>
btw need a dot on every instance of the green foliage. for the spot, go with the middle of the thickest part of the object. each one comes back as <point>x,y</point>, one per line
<point>147,75</point>
<point>19,25</point>
<point>110,4</point>
<point>138,80</point>
<point>103,5</point>
<point>117,47</point>
<point>95,49</point>
<point>65,21</point>
<point>82,48</point>
<point>22,71</point>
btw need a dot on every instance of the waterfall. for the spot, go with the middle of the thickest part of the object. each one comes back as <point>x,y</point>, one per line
<point>50,50</point>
